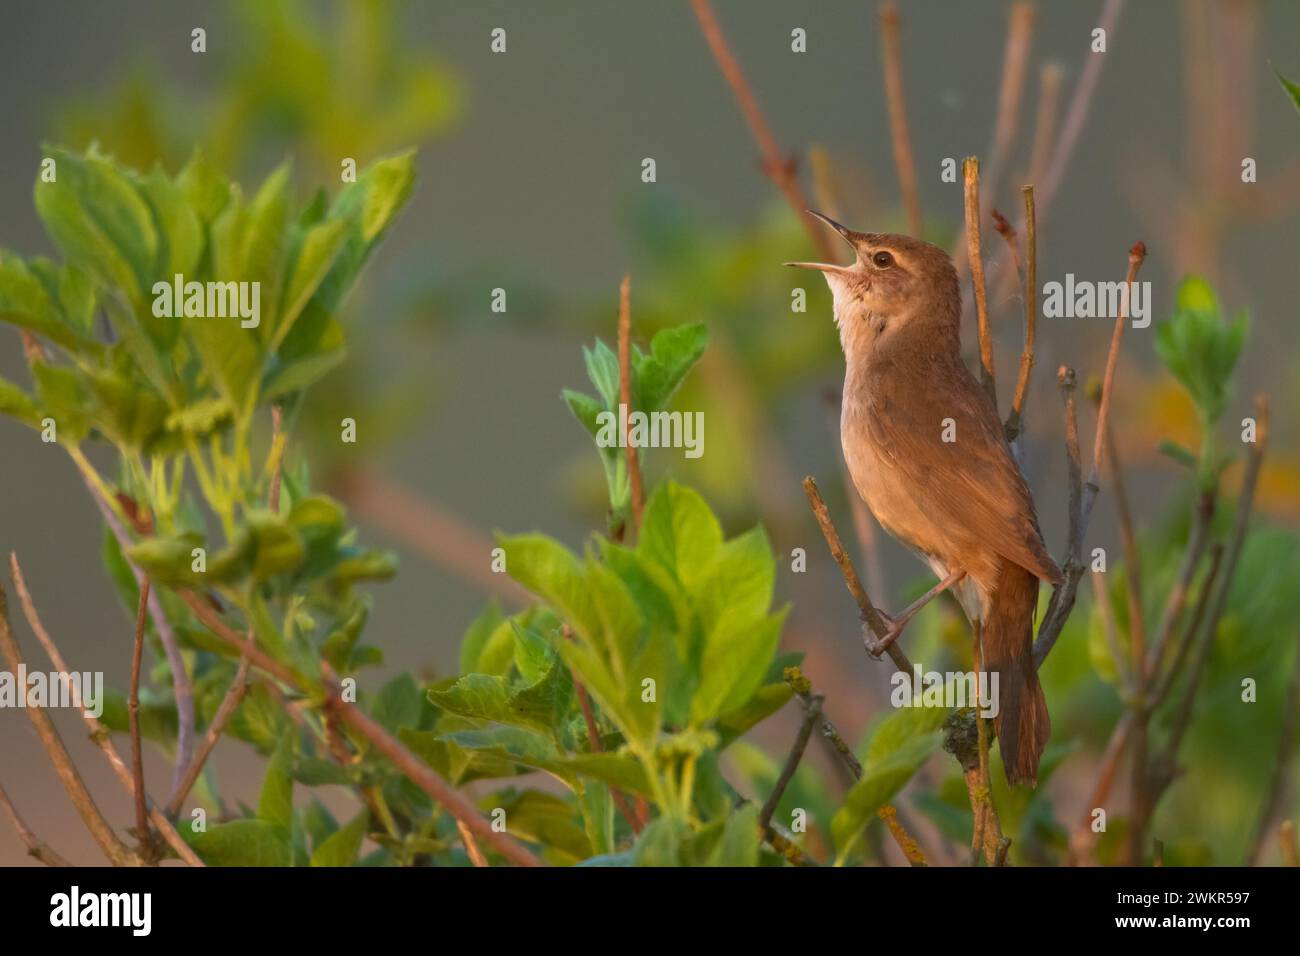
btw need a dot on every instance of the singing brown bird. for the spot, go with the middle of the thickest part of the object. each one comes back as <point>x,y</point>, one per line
<point>927,454</point>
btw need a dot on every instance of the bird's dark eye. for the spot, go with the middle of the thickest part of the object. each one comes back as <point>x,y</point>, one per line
<point>883,260</point>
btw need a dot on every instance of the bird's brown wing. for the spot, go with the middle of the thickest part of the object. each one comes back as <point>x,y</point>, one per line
<point>971,482</point>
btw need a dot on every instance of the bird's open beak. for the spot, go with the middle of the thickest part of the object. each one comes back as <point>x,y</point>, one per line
<point>845,233</point>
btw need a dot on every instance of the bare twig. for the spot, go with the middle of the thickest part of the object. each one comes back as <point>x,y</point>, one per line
<point>1014,421</point>
<point>779,168</point>
<point>971,178</point>
<point>36,848</point>
<point>1132,563</point>
<point>99,734</point>
<point>811,702</point>
<point>892,52</point>
<point>1053,172</point>
<point>1161,772</point>
<point>1286,837</point>
<point>1080,103</point>
<point>1177,599</point>
<point>870,616</point>
<point>811,712</point>
<point>625,395</point>
<point>133,713</point>
<point>1015,59</point>
<point>420,774</point>
<point>1049,97</point>
<point>182,690</point>
<point>1062,602</point>
<point>471,845</point>
<point>116,851</point>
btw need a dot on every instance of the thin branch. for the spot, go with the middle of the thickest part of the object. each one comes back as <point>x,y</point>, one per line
<point>1050,78</point>
<point>1286,837</point>
<point>471,845</point>
<point>225,710</point>
<point>971,179</point>
<point>811,702</point>
<point>1062,602</point>
<point>116,851</point>
<point>1223,586</point>
<point>1161,693</point>
<point>1015,59</point>
<point>1177,600</point>
<point>1014,421</point>
<point>870,616</point>
<point>1053,172</point>
<point>779,168</point>
<point>99,734</point>
<point>1081,840</point>
<point>625,395</point>
<point>423,776</point>
<point>36,848</point>
<point>182,690</point>
<point>892,55</point>
<point>812,711</point>
<point>1080,103</point>
<point>1132,564</point>
<point>133,714</point>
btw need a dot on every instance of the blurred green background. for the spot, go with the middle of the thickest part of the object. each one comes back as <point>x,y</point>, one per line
<point>529,180</point>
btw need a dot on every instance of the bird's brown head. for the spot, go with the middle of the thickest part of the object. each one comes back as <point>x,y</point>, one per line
<point>898,286</point>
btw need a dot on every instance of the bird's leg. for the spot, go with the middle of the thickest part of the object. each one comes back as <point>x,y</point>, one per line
<point>897,624</point>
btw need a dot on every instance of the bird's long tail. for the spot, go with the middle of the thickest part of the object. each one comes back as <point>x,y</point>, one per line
<point>1022,722</point>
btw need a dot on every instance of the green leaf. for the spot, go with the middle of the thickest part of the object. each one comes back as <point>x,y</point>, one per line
<point>241,843</point>
<point>881,779</point>
<point>739,584</point>
<point>660,843</point>
<point>98,217</point>
<point>680,533</point>
<point>342,846</point>
<point>603,370</point>
<point>1291,88</point>
<point>736,657</point>
<point>275,804</point>
<point>178,227</point>
<point>399,703</point>
<point>543,818</point>
<point>319,248</point>
<point>26,303</point>
<point>206,190</point>
<point>585,409</point>
<point>16,403</point>
<point>739,843</point>
<point>673,352</point>
<point>168,561</point>
<point>550,570</point>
